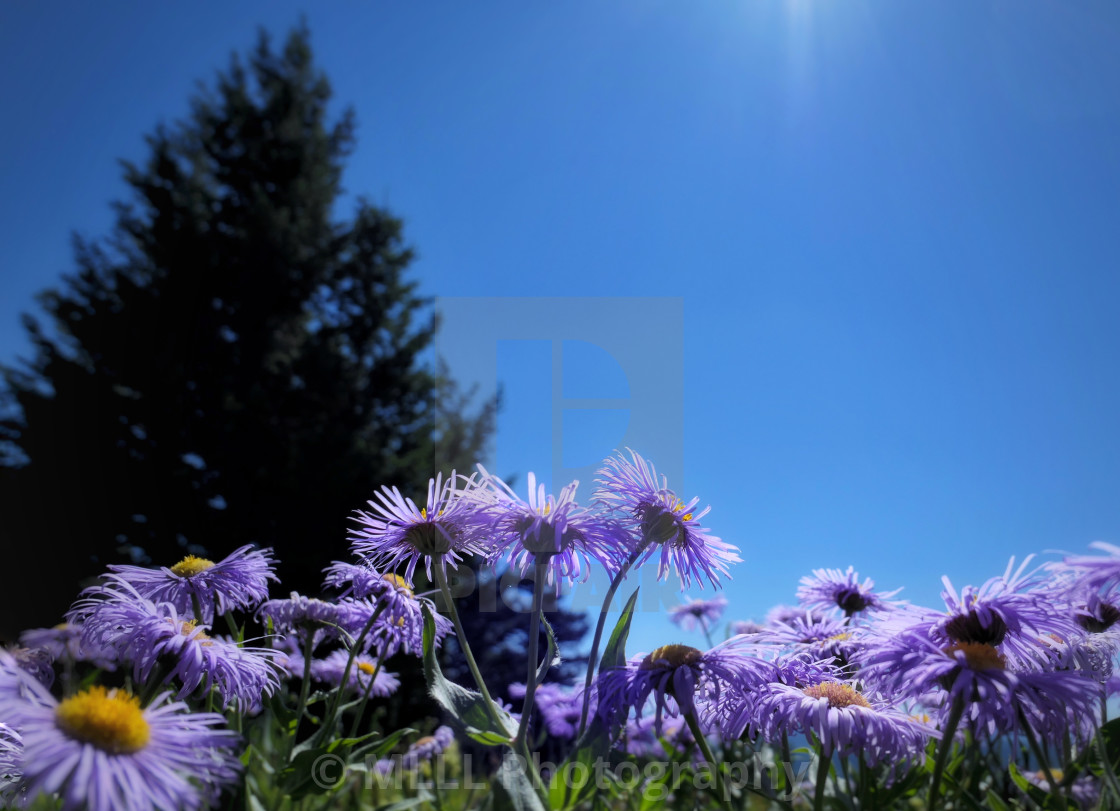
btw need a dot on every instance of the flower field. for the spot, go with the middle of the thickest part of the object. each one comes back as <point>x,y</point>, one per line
<point>197,686</point>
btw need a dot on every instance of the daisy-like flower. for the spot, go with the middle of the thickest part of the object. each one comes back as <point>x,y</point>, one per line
<point>35,661</point>
<point>423,750</point>
<point>11,765</point>
<point>845,721</point>
<point>644,741</point>
<point>831,588</point>
<point>391,592</point>
<point>238,581</point>
<point>997,696</point>
<point>811,636</point>
<point>1084,790</point>
<point>558,706</point>
<point>745,627</point>
<point>550,531</point>
<point>148,633</point>
<point>788,613</point>
<point>396,531</point>
<point>701,615</point>
<point>1097,571</point>
<point>399,628</point>
<point>99,750</point>
<point>1013,612</point>
<point>330,669</point>
<point>674,676</point>
<point>665,524</point>
<point>304,615</point>
<point>63,643</point>
<point>16,684</point>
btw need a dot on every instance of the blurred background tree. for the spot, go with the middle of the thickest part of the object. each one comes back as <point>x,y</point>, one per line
<point>234,364</point>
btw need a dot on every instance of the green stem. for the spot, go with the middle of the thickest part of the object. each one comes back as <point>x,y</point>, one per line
<point>706,751</point>
<point>1040,755</point>
<point>336,702</point>
<point>955,713</point>
<point>823,765</point>
<point>197,606</point>
<point>464,646</point>
<point>365,698</point>
<point>304,686</point>
<point>539,570</point>
<point>592,658</point>
<point>234,631</point>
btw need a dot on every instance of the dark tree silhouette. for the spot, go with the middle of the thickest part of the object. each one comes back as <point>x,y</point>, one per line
<point>234,364</point>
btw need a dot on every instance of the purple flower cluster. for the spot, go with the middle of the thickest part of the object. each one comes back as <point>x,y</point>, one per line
<point>633,517</point>
<point>147,634</point>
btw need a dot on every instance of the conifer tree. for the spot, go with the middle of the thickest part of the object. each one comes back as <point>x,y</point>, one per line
<point>237,362</point>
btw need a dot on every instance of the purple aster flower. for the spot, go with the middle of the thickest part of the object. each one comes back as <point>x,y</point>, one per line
<point>1096,571</point>
<point>429,747</point>
<point>788,613</point>
<point>550,531</point>
<point>421,751</point>
<point>832,588</point>
<point>36,662</point>
<point>390,592</point>
<point>845,721</point>
<point>16,684</point>
<point>998,697</point>
<point>1084,790</point>
<point>396,531</point>
<point>238,581</point>
<point>399,628</point>
<point>63,643</point>
<point>148,633</point>
<point>673,676</point>
<point>11,766</point>
<point>745,627</point>
<point>811,636</point>
<point>643,740</point>
<point>700,615</point>
<point>304,615</point>
<point>559,707</point>
<point>99,750</point>
<point>663,521</point>
<point>330,669</point>
<point>1011,612</point>
<point>354,579</point>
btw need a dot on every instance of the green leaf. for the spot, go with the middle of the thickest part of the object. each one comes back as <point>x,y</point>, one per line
<point>467,707</point>
<point>552,658</point>
<point>1110,734</point>
<point>995,802</point>
<point>512,789</point>
<point>565,789</point>
<point>614,654</point>
<point>310,772</point>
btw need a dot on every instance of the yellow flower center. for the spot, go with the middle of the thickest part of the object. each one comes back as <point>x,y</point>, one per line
<point>111,720</point>
<point>838,695</point>
<point>190,566</point>
<point>840,637</point>
<point>671,656</point>
<point>188,628</point>
<point>398,582</point>
<point>979,656</point>
<point>366,668</point>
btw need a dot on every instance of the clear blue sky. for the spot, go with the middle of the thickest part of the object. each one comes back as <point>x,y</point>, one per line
<point>892,228</point>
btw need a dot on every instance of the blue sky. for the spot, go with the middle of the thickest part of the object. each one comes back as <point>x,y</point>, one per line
<point>889,230</point>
